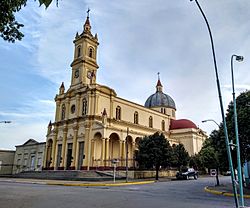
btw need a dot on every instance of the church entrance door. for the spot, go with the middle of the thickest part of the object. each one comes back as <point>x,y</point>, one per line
<point>59,156</point>
<point>81,155</point>
<point>69,156</point>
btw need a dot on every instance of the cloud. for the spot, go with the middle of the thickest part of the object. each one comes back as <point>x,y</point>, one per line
<point>237,87</point>
<point>18,133</point>
<point>137,40</point>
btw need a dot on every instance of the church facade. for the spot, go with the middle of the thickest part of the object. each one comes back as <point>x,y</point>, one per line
<point>93,125</point>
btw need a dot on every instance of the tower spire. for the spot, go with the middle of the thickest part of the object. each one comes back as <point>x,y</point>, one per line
<point>87,27</point>
<point>159,85</point>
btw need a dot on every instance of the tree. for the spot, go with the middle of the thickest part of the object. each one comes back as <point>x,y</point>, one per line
<point>180,156</point>
<point>196,163</point>
<point>217,137</point>
<point>243,115</point>
<point>209,158</point>
<point>9,27</point>
<point>154,151</point>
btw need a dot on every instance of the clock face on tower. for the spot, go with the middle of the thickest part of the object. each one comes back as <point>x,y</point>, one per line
<point>76,73</point>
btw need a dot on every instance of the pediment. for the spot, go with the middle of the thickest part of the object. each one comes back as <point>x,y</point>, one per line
<point>30,142</point>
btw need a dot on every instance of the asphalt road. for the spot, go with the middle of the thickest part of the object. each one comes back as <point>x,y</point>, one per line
<point>173,194</point>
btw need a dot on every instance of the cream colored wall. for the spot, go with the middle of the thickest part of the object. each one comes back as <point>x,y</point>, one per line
<point>192,139</point>
<point>168,111</point>
<point>128,109</point>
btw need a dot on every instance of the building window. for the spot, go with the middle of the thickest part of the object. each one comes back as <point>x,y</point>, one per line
<point>25,162</point>
<point>73,109</point>
<point>63,112</point>
<point>136,117</point>
<point>39,162</point>
<point>84,107</point>
<point>79,51</point>
<point>91,52</point>
<point>163,125</point>
<point>151,122</point>
<point>164,110</point>
<point>118,113</point>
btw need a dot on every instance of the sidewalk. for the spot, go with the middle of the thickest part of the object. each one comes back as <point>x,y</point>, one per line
<point>76,183</point>
<point>225,190</point>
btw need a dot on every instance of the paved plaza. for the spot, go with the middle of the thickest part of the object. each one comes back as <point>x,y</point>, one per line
<point>171,194</point>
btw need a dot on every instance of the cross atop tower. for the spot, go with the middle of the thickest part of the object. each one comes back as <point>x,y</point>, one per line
<point>88,12</point>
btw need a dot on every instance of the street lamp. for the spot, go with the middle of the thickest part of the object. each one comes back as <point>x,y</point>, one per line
<point>221,106</point>
<point>212,121</point>
<point>5,121</point>
<point>237,58</point>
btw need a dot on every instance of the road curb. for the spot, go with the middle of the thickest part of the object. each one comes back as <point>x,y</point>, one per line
<point>223,193</point>
<point>100,184</point>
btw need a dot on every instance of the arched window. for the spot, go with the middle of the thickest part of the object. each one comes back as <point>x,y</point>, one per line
<point>63,112</point>
<point>79,51</point>
<point>151,122</point>
<point>91,52</point>
<point>163,125</point>
<point>84,106</point>
<point>164,111</point>
<point>118,113</point>
<point>136,117</point>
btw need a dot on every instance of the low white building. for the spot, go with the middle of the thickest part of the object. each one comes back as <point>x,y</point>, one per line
<point>29,156</point>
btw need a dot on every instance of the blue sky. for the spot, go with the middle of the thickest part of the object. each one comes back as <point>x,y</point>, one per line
<point>137,40</point>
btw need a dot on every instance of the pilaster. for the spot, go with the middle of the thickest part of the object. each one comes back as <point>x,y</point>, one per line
<point>103,152</point>
<point>57,116</point>
<point>67,109</point>
<point>54,148</point>
<point>106,151</point>
<point>92,151</point>
<point>64,154</point>
<point>78,105</point>
<point>73,163</point>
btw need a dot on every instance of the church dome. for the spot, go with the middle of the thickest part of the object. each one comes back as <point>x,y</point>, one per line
<point>160,99</point>
<point>182,124</point>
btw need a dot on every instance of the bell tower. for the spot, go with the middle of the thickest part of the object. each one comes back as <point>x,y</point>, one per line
<point>84,65</point>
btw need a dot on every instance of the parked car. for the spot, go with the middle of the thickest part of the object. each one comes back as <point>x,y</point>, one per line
<point>186,173</point>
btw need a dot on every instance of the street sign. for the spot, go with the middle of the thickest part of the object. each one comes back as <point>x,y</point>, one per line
<point>213,172</point>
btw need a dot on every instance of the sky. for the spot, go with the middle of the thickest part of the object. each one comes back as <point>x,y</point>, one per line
<point>137,40</point>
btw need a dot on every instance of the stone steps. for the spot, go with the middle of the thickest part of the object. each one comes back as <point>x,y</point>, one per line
<point>65,175</point>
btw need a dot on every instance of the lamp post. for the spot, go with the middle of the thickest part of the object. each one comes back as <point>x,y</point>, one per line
<point>237,58</point>
<point>221,106</point>
<point>217,168</point>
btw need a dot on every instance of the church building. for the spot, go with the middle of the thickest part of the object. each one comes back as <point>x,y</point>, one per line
<point>92,124</point>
